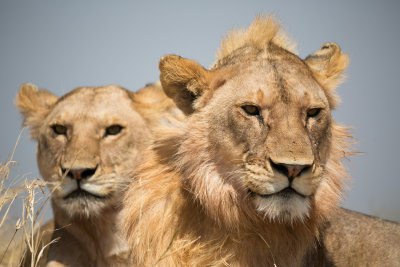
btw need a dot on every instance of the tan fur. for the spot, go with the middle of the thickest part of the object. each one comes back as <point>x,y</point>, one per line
<point>354,239</point>
<point>209,192</point>
<point>87,224</point>
<point>262,31</point>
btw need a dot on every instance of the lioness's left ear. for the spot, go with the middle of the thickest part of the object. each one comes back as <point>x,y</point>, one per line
<point>184,81</point>
<point>34,104</point>
<point>328,65</point>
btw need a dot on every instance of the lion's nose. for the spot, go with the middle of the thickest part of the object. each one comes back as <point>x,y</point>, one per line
<point>79,174</point>
<point>290,170</point>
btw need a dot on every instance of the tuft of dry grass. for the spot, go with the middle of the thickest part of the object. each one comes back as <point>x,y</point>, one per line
<point>20,238</point>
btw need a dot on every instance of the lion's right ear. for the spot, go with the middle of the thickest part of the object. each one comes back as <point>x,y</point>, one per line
<point>184,81</point>
<point>34,104</point>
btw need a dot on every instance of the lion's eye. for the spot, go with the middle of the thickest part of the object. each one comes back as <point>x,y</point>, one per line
<point>313,112</point>
<point>113,129</point>
<point>251,110</point>
<point>59,129</point>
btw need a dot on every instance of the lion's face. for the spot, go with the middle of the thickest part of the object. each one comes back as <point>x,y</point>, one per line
<point>87,141</point>
<point>273,127</point>
<point>268,123</point>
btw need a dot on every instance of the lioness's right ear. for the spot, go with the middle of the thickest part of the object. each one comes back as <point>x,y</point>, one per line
<point>184,81</point>
<point>34,104</point>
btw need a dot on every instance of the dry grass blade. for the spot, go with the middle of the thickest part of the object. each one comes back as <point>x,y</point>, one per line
<point>13,243</point>
<point>43,248</point>
<point>8,246</point>
<point>8,208</point>
<point>168,248</point>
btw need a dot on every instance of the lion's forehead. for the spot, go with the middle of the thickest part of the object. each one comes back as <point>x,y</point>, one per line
<point>106,104</point>
<point>97,99</point>
<point>268,84</point>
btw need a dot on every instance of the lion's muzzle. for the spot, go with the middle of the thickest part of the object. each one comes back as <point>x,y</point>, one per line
<point>291,171</point>
<point>79,174</point>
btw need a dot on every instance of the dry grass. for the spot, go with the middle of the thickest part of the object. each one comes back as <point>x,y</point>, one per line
<point>17,237</point>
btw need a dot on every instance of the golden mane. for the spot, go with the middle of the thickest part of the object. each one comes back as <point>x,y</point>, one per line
<point>262,31</point>
<point>160,196</point>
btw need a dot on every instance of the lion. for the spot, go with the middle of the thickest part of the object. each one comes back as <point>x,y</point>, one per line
<point>88,140</point>
<point>255,171</point>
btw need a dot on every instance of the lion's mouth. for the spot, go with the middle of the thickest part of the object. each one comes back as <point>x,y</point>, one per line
<point>80,193</point>
<point>284,193</point>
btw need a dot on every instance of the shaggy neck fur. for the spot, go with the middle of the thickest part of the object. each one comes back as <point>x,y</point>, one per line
<point>99,233</point>
<point>198,220</point>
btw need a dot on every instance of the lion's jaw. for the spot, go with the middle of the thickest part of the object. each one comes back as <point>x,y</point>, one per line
<point>85,168</point>
<point>86,198</point>
<point>278,199</point>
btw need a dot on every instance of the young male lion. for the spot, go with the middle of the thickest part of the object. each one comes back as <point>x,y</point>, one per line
<point>88,140</point>
<point>252,177</point>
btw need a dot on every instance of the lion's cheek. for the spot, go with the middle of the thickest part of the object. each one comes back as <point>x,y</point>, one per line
<point>48,166</point>
<point>321,137</point>
<point>258,181</point>
<point>306,186</point>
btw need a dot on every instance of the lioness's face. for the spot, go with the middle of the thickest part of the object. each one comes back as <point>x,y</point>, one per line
<point>86,143</point>
<point>273,129</point>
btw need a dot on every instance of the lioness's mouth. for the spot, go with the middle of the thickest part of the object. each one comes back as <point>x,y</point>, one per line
<point>284,193</point>
<point>79,193</point>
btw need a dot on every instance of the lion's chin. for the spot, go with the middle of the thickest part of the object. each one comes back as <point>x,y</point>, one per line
<point>82,204</point>
<point>83,194</point>
<point>284,207</point>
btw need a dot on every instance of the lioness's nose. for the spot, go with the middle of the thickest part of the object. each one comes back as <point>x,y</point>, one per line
<point>290,170</point>
<point>79,174</point>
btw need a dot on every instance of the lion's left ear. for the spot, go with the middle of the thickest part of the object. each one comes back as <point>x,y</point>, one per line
<point>328,65</point>
<point>184,80</point>
<point>34,104</point>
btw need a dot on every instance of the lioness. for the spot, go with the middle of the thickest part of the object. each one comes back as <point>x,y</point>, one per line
<point>88,140</point>
<point>256,172</point>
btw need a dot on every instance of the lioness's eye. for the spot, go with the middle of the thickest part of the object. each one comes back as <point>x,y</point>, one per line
<point>313,112</point>
<point>59,129</point>
<point>251,110</point>
<point>113,129</point>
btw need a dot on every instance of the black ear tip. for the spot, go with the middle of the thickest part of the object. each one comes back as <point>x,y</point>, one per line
<point>329,46</point>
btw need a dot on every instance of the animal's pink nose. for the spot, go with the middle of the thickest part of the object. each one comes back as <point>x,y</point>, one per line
<point>290,170</point>
<point>79,174</point>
